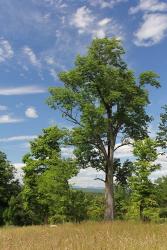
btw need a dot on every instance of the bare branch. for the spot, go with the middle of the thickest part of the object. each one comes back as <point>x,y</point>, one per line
<point>123,144</point>
<point>99,179</point>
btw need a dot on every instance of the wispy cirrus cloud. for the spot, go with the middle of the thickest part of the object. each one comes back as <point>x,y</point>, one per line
<point>25,90</point>
<point>106,3</point>
<point>18,138</point>
<point>149,6</point>
<point>30,54</point>
<point>3,108</point>
<point>6,50</point>
<point>9,119</point>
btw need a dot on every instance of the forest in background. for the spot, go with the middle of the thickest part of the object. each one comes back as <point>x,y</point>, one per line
<point>107,106</point>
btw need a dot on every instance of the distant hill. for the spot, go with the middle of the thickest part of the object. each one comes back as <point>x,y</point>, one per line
<point>90,190</point>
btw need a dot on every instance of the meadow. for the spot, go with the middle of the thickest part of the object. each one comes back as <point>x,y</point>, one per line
<point>86,236</point>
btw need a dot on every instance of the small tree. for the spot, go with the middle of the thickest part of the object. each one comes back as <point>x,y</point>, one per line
<point>162,132</point>
<point>46,189</point>
<point>143,199</point>
<point>102,98</point>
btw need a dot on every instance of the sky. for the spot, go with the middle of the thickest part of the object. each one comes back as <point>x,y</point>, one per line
<point>40,38</point>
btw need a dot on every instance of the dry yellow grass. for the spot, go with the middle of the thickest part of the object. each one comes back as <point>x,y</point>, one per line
<point>86,236</point>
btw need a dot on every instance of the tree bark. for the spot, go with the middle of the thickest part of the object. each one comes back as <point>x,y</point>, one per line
<point>109,186</point>
<point>109,197</point>
<point>109,183</point>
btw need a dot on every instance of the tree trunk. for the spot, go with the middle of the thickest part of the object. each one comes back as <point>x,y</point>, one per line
<point>109,195</point>
<point>109,184</point>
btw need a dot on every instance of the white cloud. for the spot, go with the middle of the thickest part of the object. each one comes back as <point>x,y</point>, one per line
<point>124,151</point>
<point>152,30</point>
<point>50,60</point>
<point>149,6</point>
<point>86,178</point>
<point>18,165</point>
<point>86,22</point>
<point>6,51</point>
<point>31,112</point>
<point>162,160</point>
<point>9,119</point>
<point>3,108</point>
<point>154,22</point>
<point>106,3</point>
<point>19,171</point>
<point>18,138</point>
<point>53,73</point>
<point>103,27</point>
<point>100,33</point>
<point>51,63</point>
<point>22,90</point>
<point>104,21</point>
<point>67,152</point>
<point>82,18</point>
<point>31,56</point>
<point>24,146</point>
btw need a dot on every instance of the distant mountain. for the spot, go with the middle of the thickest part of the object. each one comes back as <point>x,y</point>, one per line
<point>90,189</point>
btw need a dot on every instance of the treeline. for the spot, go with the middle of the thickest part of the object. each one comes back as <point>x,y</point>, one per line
<point>46,196</point>
<point>106,105</point>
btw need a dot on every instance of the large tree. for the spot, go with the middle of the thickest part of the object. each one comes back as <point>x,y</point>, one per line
<point>104,101</point>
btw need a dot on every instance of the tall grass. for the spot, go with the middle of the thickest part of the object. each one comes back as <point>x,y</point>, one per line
<point>86,236</point>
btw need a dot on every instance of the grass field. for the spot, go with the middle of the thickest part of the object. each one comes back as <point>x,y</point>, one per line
<point>88,235</point>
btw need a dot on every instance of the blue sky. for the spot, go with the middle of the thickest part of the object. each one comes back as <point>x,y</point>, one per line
<point>39,38</point>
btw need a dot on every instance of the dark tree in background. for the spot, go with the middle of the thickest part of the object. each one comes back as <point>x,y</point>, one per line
<point>9,186</point>
<point>104,101</point>
<point>162,132</point>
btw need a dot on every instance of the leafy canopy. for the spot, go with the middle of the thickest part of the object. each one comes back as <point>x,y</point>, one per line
<point>46,177</point>
<point>143,202</point>
<point>102,98</point>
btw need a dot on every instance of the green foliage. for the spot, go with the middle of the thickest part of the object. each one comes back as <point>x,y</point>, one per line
<point>161,191</point>
<point>162,133</point>
<point>151,78</point>
<point>122,172</point>
<point>77,206</point>
<point>102,98</point>
<point>9,186</point>
<point>100,84</point>
<point>15,214</point>
<point>161,195</point>
<point>95,209</point>
<point>143,203</point>
<point>122,198</point>
<point>46,189</point>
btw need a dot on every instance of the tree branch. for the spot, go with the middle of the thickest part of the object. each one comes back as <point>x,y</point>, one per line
<point>72,119</point>
<point>123,144</point>
<point>99,179</point>
<point>102,98</point>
